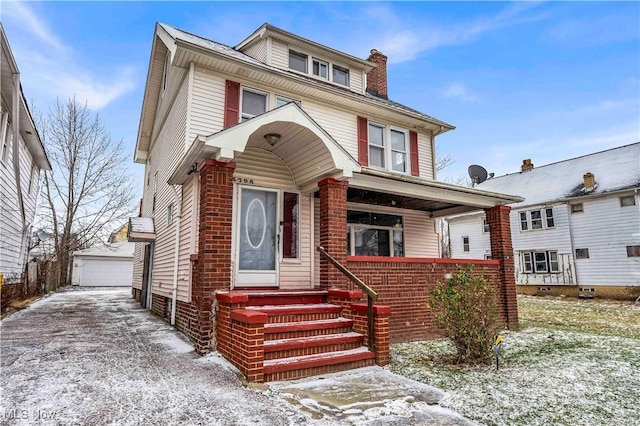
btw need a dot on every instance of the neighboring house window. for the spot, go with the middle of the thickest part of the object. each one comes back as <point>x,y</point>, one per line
<point>253,103</point>
<point>627,201</point>
<point>298,61</point>
<point>5,129</point>
<point>540,262</point>
<point>320,68</point>
<point>340,75</point>
<point>537,219</point>
<point>169,214</point>
<point>487,257</point>
<point>380,151</point>
<point>290,225</point>
<point>374,234</point>
<point>485,226</point>
<point>582,253</point>
<point>577,208</point>
<point>465,244</point>
<point>633,251</point>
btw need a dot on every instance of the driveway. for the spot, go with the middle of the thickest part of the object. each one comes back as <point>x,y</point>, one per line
<point>96,357</point>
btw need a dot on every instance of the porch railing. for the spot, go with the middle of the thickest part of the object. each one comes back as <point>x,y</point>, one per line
<point>372,296</point>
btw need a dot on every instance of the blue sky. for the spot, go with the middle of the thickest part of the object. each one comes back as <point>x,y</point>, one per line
<point>540,80</point>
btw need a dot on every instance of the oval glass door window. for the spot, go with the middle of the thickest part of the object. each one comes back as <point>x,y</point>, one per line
<point>256,220</point>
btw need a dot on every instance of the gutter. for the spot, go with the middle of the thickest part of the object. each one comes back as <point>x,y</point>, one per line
<point>176,252</point>
<point>16,151</point>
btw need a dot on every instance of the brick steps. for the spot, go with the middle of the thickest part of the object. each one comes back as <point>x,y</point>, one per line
<point>292,327</point>
<point>317,360</point>
<point>298,312</point>
<point>286,348</point>
<point>257,298</point>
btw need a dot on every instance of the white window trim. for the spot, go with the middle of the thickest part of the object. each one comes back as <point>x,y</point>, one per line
<point>485,226</point>
<point>348,74</point>
<point>321,62</point>
<point>388,150</point>
<point>298,258</point>
<point>256,91</point>
<point>467,244</point>
<point>579,208</point>
<point>632,197</point>
<point>528,261</point>
<point>543,219</point>
<point>309,68</point>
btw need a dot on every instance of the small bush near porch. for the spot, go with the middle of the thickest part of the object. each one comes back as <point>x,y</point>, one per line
<point>572,362</point>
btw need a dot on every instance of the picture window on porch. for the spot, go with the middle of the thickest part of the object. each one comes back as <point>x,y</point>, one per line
<point>253,103</point>
<point>374,234</point>
<point>540,262</point>
<point>290,221</point>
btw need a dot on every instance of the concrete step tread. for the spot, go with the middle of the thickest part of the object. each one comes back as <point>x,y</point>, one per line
<point>312,341</point>
<point>316,360</point>
<point>280,327</point>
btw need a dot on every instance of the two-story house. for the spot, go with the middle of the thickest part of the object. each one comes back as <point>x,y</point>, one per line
<point>577,232</point>
<point>22,156</point>
<point>280,178</point>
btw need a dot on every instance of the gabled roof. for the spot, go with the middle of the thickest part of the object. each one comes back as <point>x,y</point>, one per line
<point>615,170</point>
<point>176,40</point>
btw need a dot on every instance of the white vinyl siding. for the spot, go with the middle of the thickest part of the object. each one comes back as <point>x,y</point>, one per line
<point>207,104</point>
<point>13,242</point>
<point>341,125</point>
<point>469,226</point>
<point>257,50</point>
<point>166,151</point>
<point>425,157</point>
<point>606,229</point>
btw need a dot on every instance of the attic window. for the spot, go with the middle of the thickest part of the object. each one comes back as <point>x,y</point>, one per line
<point>627,201</point>
<point>320,68</point>
<point>297,61</point>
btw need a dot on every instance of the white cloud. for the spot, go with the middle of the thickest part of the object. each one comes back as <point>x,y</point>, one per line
<point>460,92</point>
<point>50,69</point>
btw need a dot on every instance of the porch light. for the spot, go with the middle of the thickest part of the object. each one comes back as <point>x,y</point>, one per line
<point>272,138</point>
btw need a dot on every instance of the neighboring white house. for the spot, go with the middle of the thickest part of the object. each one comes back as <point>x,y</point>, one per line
<point>22,156</point>
<point>109,265</point>
<point>578,230</point>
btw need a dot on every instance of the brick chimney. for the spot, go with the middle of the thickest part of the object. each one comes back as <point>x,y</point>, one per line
<point>589,181</point>
<point>526,165</point>
<point>377,77</point>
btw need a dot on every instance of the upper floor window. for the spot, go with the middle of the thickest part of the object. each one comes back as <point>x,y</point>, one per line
<point>633,251</point>
<point>340,75</point>
<point>374,234</point>
<point>298,61</point>
<point>320,68</point>
<point>627,201</point>
<point>537,219</point>
<point>382,153</point>
<point>582,253</point>
<point>485,226</point>
<point>317,67</point>
<point>253,102</point>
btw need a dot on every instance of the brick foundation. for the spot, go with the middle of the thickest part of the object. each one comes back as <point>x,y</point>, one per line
<point>600,291</point>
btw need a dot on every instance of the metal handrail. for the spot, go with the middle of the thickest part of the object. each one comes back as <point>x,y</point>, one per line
<point>372,296</point>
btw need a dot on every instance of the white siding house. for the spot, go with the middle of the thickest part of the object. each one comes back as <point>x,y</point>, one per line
<point>22,156</point>
<point>578,230</point>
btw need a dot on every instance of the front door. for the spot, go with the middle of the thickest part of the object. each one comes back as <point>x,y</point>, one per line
<point>257,238</point>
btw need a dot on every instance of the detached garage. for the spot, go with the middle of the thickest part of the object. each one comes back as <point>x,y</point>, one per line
<point>109,265</point>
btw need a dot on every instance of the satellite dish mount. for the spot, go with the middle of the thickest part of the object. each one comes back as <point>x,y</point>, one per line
<point>478,174</point>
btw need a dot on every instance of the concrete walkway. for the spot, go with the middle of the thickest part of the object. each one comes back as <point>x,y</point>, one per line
<point>95,357</point>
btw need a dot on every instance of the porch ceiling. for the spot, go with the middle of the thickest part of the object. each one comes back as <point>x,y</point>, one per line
<point>309,151</point>
<point>440,199</point>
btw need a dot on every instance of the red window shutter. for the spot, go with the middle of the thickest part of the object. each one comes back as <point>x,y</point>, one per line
<point>363,141</point>
<point>231,104</point>
<point>413,148</point>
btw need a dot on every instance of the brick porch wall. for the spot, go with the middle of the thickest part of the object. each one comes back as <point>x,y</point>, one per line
<point>333,236</point>
<point>405,285</point>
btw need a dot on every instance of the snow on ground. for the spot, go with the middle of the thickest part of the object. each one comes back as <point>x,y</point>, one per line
<point>579,366</point>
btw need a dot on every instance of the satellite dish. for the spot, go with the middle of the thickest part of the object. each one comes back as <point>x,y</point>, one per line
<point>42,235</point>
<point>478,174</point>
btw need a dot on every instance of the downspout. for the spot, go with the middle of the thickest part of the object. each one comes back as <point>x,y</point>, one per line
<point>176,255</point>
<point>16,151</point>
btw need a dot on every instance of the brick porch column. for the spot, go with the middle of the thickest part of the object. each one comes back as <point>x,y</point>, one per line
<point>333,230</point>
<point>213,267</point>
<point>502,250</point>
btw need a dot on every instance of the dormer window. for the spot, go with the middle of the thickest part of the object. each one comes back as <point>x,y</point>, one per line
<point>340,75</point>
<point>320,68</point>
<point>298,61</point>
